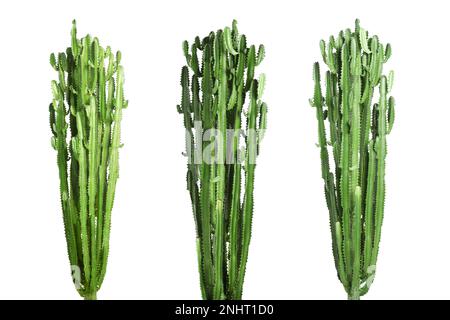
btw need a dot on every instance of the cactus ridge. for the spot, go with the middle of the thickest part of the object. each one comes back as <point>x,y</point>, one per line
<point>221,188</point>
<point>85,120</point>
<point>355,191</point>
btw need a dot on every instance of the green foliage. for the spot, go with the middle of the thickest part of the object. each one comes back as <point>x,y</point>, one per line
<point>85,117</point>
<point>355,191</point>
<point>214,97</point>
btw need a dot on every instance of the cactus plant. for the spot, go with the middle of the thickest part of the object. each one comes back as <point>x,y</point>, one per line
<point>85,118</point>
<point>355,192</point>
<point>212,105</point>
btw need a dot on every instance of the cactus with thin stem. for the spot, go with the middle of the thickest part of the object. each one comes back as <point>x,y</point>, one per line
<point>355,191</point>
<point>85,118</point>
<point>223,138</point>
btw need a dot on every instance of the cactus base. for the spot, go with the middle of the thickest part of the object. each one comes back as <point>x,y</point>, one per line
<point>91,296</point>
<point>353,297</point>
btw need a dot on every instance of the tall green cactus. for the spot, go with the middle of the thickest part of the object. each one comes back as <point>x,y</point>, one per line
<point>212,105</point>
<point>85,117</point>
<point>357,137</point>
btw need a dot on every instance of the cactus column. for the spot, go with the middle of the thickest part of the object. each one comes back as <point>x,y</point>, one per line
<point>213,105</point>
<point>358,128</point>
<point>85,117</point>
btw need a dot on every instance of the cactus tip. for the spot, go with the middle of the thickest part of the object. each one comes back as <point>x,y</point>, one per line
<point>118,56</point>
<point>316,71</point>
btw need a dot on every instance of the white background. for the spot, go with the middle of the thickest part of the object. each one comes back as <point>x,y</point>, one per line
<point>153,253</point>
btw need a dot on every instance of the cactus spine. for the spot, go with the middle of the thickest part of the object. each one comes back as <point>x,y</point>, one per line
<point>213,102</point>
<point>357,137</point>
<point>85,117</point>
